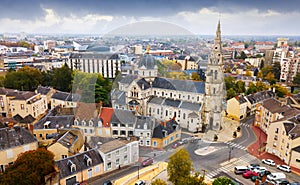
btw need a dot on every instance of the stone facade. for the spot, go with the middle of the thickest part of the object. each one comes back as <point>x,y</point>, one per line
<point>214,86</point>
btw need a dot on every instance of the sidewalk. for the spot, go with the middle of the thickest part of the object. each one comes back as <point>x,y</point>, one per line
<point>225,134</point>
<point>147,174</point>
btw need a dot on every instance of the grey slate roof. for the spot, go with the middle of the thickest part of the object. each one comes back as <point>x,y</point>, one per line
<point>156,100</point>
<point>148,61</point>
<point>297,149</point>
<point>142,120</point>
<point>123,116</point>
<point>179,85</point>
<point>172,103</point>
<point>190,106</point>
<point>59,95</point>
<point>121,98</point>
<point>65,139</point>
<point>80,161</point>
<point>16,136</point>
<point>128,79</point>
<point>159,129</point>
<point>260,96</point>
<point>43,90</point>
<point>142,83</point>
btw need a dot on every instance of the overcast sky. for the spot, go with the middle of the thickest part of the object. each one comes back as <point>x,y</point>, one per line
<point>238,17</point>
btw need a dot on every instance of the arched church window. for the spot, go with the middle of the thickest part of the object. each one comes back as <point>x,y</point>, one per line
<point>216,74</point>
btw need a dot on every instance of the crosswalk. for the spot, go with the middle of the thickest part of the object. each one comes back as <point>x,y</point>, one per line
<point>245,160</point>
<point>245,125</point>
<point>236,145</point>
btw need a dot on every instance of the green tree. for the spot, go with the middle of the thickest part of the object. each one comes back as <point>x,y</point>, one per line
<point>276,69</point>
<point>47,78</point>
<point>2,81</point>
<point>270,78</point>
<point>251,89</point>
<point>158,182</point>
<point>243,55</point>
<point>62,78</point>
<point>229,82</point>
<point>222,181</point>
<point>26,79</point>
<point>29,168</point>
<point>179,167</point>
<point>230,93</point>
<point>240,87</point>
<point>296,79</point>
<point>280,90</point>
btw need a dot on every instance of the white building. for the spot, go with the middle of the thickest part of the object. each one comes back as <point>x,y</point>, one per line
<point>106,64</point>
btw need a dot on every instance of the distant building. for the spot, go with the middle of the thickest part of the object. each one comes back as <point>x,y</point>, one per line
<point>106,64</point>
<point>64,99</point>
<point>264,45</point>
<point>188,62</point>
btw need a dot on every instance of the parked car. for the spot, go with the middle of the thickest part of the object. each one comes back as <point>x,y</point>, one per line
<point>248,174</point>
<point>108,182</point>
<point>253,166</point>
<point>240,169</point>
<point>275,176</point>
<point>175,145</point>
<point>295,183</point>
<point>260,175</point>
<point>147,162</point>
<point>281,182</point>
<point>268,162</point>
<point>140,182</point>
<point>260,169</point>
<point>284,168</point>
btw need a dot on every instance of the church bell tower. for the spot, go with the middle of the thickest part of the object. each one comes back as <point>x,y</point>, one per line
<point>214,86</point>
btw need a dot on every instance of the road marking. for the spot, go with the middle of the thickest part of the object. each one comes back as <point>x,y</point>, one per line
<point>236,145</point>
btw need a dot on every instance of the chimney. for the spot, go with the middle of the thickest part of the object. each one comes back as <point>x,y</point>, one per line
<point>236,97</point>
<point>273,89</point>
<point>100,103</point>
<point>71,140</point>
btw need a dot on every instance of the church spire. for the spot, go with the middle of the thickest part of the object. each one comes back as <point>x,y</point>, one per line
<point>218,32</point>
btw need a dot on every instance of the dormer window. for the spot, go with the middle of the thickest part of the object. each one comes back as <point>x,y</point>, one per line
<point>72,166</point>
<point>87,160</point>
<point>91,122</point>
<point>76,122</point>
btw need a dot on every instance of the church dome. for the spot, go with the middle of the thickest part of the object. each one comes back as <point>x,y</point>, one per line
<point>148,61</point>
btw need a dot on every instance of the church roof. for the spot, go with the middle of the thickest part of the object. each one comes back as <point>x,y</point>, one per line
<point>143,84</point>
<point>190,106</point>
<point>179,85</point>
<point>128,79</point>
<point>148,61</point>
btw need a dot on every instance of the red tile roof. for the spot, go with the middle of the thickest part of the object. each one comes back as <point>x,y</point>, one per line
<point>105,115</point>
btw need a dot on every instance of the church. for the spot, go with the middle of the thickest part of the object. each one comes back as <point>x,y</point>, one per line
<point>191,103</point>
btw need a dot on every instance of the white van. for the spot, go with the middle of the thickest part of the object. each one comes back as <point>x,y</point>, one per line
<point>275,176</point>
<point>240,169</point>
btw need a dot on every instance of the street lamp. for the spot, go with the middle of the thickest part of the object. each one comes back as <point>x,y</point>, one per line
<point>230,149</point>
<point>138,171</point>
